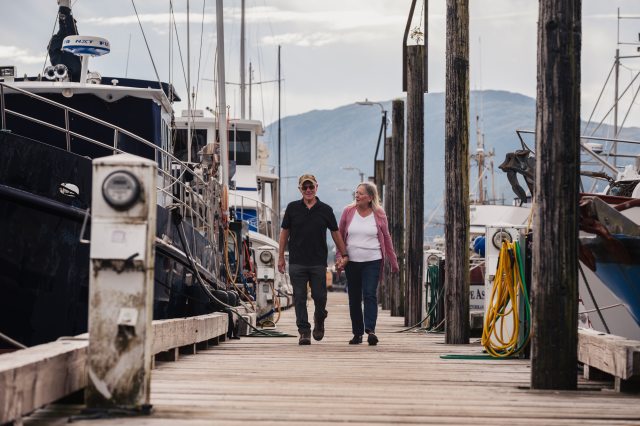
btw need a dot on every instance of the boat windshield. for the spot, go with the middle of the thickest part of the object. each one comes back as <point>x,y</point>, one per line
<point>198,141</point>
<point>240,147</point>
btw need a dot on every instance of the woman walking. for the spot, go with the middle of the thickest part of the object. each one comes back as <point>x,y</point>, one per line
<point>365,230</point>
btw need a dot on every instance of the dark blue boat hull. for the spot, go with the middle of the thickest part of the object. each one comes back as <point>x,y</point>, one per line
<point>44,269</point>
<point>620,275</point>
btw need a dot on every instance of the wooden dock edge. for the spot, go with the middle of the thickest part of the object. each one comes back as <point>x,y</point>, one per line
<point>614,355</point>
<point>33,377</point>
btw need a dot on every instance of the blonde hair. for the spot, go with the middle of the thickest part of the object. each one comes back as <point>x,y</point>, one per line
<point>372,191</point>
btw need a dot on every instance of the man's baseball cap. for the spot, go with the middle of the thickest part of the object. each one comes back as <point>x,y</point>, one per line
<point>307,178</point>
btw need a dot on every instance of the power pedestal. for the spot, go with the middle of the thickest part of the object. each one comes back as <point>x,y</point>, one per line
<point>123,228</point>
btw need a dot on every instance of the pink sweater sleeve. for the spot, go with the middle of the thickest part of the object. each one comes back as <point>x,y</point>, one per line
<point>390,253</point>
<point>342,228</point>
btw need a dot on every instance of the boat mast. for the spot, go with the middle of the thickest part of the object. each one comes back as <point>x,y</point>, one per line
<point>222,107</point>
<point>279,127</point>
<point>614,148</point>
<point>188,89</point>
<point>242,82</point>
<point>250,82</point>
<point>480,160</point>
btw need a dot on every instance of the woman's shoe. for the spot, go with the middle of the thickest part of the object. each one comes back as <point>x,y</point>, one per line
<point>356,340</point>
<point>372,339</point>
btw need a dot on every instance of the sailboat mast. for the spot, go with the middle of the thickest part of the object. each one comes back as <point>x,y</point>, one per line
<point>242,82</point>
<point>480,160</point>
<point>188,89</point>
<point>250,83</point>
<point>279,127</point>
<point>222,107</point>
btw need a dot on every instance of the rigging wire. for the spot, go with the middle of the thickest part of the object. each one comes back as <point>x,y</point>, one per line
<point>11,341</point>
<point>617,100</point>
<point>604,86</point>
<point>200,54</point>
<point>53,30</point>
<point>184,72</point>
<point>624,120</point>
<point>204,286</point>
<point>155,69</point>
<point>55,22</point>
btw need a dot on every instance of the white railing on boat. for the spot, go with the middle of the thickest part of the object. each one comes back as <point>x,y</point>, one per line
<point>600,160</point>
<point>192,199</point>
<point>267,220</point>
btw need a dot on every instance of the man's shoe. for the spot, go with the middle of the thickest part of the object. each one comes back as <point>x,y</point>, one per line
<point>372,339</point>
<point>305,338</point>
<point>318,328</point>
<point>356,340</point>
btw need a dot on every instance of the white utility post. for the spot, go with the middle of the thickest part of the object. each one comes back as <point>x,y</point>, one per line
<point>123,228</point>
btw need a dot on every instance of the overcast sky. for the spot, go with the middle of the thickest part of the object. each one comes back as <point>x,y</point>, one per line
<point>334,52</point>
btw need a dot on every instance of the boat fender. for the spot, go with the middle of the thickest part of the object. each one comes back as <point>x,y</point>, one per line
<point>478,245</point>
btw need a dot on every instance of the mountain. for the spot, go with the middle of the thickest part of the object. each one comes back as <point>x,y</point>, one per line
<point>323,142</point>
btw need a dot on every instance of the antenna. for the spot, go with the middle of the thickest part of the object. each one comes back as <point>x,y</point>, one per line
<point>85,46</point>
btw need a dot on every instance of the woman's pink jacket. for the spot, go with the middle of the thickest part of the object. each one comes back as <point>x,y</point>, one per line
<point>386,246</point>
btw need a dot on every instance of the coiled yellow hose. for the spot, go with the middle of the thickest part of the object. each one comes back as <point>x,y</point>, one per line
<point>498,338</point>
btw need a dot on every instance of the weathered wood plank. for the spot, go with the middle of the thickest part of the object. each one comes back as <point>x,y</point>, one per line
<point>614,355</point>
<point>33,377</point>
<point>403,380</point>
<point>178,332</point>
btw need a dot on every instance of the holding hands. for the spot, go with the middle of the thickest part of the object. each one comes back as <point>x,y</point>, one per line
<point>340,264</point>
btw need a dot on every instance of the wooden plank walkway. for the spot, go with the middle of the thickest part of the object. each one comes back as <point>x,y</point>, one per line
<point>403,380</point>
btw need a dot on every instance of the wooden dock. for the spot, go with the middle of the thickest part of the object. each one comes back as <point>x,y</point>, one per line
<point>403,380</point>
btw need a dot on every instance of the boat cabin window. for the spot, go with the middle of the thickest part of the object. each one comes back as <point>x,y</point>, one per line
<point>240,147</point>
<point>198,141</point>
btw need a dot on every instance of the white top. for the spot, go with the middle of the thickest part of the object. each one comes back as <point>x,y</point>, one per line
<point>362,239</point>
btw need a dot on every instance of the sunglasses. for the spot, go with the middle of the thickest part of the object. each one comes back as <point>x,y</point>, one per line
<point>308,186</point>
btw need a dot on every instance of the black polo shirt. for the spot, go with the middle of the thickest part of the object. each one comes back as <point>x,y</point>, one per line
<point>308,232</point>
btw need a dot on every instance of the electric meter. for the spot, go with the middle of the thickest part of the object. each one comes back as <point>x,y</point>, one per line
<point>121,190</point>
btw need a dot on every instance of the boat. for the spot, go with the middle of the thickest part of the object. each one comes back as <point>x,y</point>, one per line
<point>253,198</point>
<point>52,126</point>
<point>611,247</point>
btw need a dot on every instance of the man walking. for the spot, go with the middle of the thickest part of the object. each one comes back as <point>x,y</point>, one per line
<point>304,226</point>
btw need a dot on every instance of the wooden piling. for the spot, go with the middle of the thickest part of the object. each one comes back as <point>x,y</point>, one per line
<point>379,179</point>
<point>456,205</point>
<point>415,184</point>
<point>395,212</point>
<point>555,231</point>
<point>388,180</point>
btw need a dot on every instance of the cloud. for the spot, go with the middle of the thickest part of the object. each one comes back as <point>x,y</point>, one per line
<point>333,19</point>
<point>150,18</point>
<point>19,56</point>
<point>318,39</point>
<point>301,39</point>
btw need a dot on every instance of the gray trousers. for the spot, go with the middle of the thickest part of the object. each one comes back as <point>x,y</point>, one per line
<point>316,276</point>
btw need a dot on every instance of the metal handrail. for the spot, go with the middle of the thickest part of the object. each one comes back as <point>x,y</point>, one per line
<point>266,215</point>
<point>592,138</point>
<point>169,160</point>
